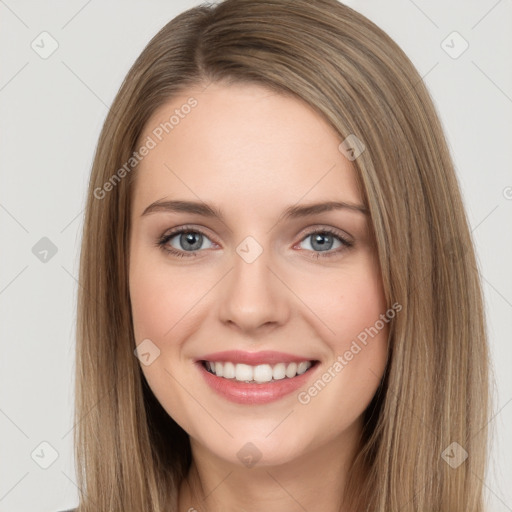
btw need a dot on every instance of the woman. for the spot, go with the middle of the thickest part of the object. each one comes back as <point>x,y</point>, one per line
<point>321,343</point>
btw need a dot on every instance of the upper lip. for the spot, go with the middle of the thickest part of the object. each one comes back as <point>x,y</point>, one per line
<point>254,358</point>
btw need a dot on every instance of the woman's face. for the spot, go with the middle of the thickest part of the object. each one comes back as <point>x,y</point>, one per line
<point>258,272</point>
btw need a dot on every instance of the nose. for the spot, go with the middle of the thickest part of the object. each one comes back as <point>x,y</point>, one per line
<point>253,297</point>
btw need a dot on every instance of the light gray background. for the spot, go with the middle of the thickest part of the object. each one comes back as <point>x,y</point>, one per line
<point>51,112</point>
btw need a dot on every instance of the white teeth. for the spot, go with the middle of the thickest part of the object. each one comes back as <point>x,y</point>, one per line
<point>260,373</point>
<point>228,370</point>
<point>302,367</point>
<point>243,372</point>
<point>279,371</point>
<point>291,370</point>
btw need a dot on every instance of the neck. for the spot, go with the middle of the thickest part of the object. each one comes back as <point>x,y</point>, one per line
<point>315,480</point>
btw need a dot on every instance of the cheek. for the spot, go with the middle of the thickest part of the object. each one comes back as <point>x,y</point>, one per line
<point>351,376</point>
<point>345,303</point>
<point>160,299</point>
<point>353,306</point>
<point>364,325</point>
<point>358,309</point>
<point>162,312</point>
<point>361,322</point>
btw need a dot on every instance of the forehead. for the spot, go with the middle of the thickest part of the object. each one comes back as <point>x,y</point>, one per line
<point>242,143</point>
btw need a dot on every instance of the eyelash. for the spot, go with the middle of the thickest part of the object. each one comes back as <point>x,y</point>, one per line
<point>162,242</point>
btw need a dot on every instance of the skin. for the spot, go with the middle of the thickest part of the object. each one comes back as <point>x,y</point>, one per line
<point>252,153</point>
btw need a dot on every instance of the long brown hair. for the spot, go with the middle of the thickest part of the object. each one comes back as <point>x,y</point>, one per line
<point>130,455</point>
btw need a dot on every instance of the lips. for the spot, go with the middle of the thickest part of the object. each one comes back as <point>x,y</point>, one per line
<point>252,393</point>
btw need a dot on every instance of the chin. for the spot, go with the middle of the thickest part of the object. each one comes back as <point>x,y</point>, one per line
<point>257,449</point>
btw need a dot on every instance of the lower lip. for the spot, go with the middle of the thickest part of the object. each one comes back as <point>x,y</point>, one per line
<point>244,393</point>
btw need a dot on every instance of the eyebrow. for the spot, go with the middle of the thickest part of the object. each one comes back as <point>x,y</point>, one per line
<point>207,210</point>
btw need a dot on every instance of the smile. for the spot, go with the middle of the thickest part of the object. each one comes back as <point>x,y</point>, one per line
<point>252,378</point>
<point>257,373</point>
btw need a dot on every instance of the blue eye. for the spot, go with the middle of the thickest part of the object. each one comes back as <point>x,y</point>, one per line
<point>324,239</point>
<point>190,241</point>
